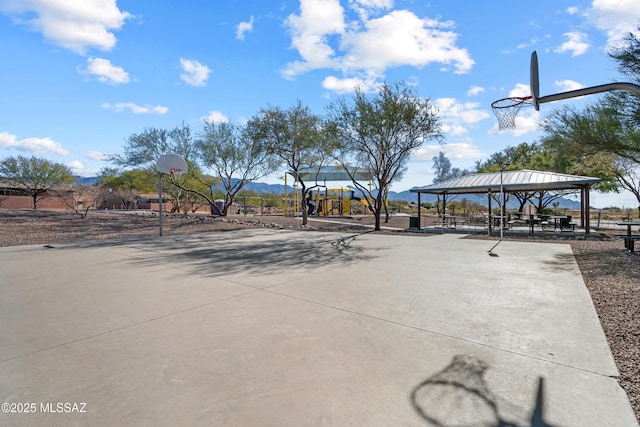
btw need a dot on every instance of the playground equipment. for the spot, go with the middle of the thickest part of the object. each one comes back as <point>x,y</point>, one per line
<point>334,202</point>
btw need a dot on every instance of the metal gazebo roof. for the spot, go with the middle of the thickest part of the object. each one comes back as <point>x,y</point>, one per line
<point>512,181</point>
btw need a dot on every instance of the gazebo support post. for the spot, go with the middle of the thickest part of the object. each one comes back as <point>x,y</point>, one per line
<point>490,219</point>
<point>582,207</point>
<point>419,225</point>
<point>444,210</point>
<point>587,211</point>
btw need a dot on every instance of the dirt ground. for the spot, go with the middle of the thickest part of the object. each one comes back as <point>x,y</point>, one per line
<point>611,274</point>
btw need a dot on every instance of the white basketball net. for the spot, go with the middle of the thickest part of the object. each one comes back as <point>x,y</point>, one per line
<point>507,109</point>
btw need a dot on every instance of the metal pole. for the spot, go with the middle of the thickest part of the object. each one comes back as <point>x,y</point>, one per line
<point>286,202</point>
<point>502,210</point>
<point>501,203</point>
<point>419,225</point>
<point>160,202</point>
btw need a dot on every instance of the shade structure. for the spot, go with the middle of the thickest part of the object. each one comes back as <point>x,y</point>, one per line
<point>515,181</point>
<point>512,181</point>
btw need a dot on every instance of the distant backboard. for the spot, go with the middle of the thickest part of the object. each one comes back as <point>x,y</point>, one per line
<point>171,164</point>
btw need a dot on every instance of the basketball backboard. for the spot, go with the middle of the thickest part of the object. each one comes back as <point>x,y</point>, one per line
<point>171,164</point>
<point>535,81</point>
<point>506,109</point>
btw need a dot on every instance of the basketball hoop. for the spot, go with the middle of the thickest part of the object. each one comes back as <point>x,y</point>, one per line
<point>506,110</point>
<point>175,173</point>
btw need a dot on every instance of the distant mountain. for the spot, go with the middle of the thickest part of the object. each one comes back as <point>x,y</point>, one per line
<point>81,180</point>
<point>476,198</point>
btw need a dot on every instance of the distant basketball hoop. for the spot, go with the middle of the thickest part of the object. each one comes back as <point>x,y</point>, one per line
<point>176,173</point>
<point>506,110</point>
<point>172,165</point>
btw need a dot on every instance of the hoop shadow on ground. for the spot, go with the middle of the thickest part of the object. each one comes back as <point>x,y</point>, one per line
<point>459,396</point>
<point>227,253</point>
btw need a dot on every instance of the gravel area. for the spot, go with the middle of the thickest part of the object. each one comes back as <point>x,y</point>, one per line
<point>611,274</point>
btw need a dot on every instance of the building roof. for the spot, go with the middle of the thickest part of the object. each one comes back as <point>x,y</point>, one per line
<point>512,181</point>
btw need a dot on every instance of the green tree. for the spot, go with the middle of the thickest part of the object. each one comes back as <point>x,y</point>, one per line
<point>35,175</point>
<point>143,150</point>
<point>295,136</point>
<point>379,134</point>
<point>127,185</point>
<point>595,129</point>
<point>627,57</point>
<point>235,158</point>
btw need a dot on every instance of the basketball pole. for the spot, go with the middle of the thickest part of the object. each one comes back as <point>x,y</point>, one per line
<point>160,201</point>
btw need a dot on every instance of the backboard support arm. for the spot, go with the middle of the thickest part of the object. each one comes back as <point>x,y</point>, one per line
<point>629,87</point>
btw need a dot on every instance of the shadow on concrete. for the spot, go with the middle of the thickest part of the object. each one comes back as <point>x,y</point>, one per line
<point>459,396</point>
<point>561,262</point>
<point>218,254</point>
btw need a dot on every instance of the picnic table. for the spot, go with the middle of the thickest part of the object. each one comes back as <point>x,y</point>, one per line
<point>562,222</point>
<point>451,221</point>
<point>629,238</point>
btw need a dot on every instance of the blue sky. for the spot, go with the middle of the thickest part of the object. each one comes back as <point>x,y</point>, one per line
<point>80,76</point>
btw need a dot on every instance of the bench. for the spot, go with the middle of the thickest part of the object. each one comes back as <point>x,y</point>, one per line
<point>629,240</point>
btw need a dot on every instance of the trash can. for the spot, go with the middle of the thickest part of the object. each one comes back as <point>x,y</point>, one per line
<point>414,222</point>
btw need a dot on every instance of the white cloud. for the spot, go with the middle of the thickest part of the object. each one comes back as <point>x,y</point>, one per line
<point>243,28</point>
<point>521,90</point>
<point>309,31</point>
<point>528,44</point>
<point>193,72</point>
<point>34,145</point>
<point>475,90</point>
<point>97,155</point>
<point>577,43</point>
<point>74,25</point>
<point>456,116</point>
<point>401,38</point>
<point>365,7</point>
<point>135,109</point>
<point>567,85</point>
<point>572,10</point>
<point>617,18</point>
<point>215,116</point>
<point>325,39</point>
<point>348,85</point>
<point>105,72</point>
<point>76,167</point>
<point>458,150</point>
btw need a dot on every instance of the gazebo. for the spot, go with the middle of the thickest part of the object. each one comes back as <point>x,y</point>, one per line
<point>511,182</point>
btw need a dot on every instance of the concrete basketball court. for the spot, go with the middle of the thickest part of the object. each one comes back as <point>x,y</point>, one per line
<point>293,328</point>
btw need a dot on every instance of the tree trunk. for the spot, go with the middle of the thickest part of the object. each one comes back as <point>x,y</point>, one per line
<point>303,203</point>
<point>35,197</point>
<point>377,211</point>
<point>227,204</point>
<point>386,213</point>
